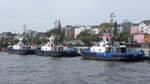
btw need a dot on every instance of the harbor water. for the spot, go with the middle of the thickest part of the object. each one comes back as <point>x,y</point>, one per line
<point>32,69</point>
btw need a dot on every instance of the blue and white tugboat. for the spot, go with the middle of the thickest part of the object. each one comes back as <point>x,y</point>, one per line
<point>110,51</point>
<point>56,48</point>
<point>22,47</point>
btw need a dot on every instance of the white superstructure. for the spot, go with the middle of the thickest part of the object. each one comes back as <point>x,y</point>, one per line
<point>53,44</point>
<point>103,45</point>
<point>21,46</point>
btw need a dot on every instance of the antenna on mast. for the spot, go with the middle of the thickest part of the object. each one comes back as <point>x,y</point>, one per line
<point>24,29</point>
<point>112,17</point>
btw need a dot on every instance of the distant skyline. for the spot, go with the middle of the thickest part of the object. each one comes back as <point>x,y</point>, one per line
<point>41,14</point>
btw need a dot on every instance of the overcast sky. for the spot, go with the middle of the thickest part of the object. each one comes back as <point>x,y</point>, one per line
<point>41,14</point>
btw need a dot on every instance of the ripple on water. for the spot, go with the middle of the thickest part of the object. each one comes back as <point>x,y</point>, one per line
<point>31,69</point>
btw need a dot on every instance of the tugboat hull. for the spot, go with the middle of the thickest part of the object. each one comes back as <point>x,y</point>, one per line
<point>113,57</point>
<point>56,53</point>
<point>12,51</point>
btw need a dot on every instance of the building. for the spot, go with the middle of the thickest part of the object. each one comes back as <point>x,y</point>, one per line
<point>69,31</point>
<point>7,35</point>
<point>142,38</point>
<point>127,25</point>
<point>79,29</point>
<point>147,22</point>
<point>14,36</point>
<point>74,31</point>
<point>120,29</point>
<point>29,33</point>
<point>41,34</point>
<point>134,30</point>
<point>144,27</point>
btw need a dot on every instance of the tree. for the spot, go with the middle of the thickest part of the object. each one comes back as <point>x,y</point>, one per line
<point>84,33</point>
<point>39,41</point>
<point>55,31</point>
<point>115,31</point>
<point>106,27</point>
<point>68,39</point>
<point>87,36</point>
<point>124,37</point>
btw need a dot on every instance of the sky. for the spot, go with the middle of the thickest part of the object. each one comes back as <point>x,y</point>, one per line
<point>40,15</point>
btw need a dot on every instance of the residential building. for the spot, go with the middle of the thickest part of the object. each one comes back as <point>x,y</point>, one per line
<point>74,31</point>
<point>41,34</point>
<point>144,27</point>
<point>70,31</point>
<point>7,35</point>
<point>127,25</point>
<point>79,29</point>
<point>147,22</point>
<point>141,38</point>
<point>29,33</point>
<point>134,30</point>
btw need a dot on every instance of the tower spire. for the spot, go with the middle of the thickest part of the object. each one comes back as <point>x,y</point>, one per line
<point>59,24</point>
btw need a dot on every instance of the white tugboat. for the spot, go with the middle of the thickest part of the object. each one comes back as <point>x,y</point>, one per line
<point>22,47</point>
<point>55,48</point>
<point>113,51</point>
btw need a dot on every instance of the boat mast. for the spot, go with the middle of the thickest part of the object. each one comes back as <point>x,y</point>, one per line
<point>112,17</point>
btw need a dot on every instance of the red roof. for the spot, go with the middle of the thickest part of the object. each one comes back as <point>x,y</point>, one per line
<point>106,36</point>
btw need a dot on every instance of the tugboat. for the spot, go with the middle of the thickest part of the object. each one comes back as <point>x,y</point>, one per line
<point>22,47</point>
<point>105,49</point>
<point>56,48</point>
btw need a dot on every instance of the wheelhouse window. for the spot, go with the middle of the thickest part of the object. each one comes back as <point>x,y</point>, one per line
<point>108,50</point>
<point>60,48</point>
<point>122,50</point>
<point>101,39</point>
<point>107,39</point>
